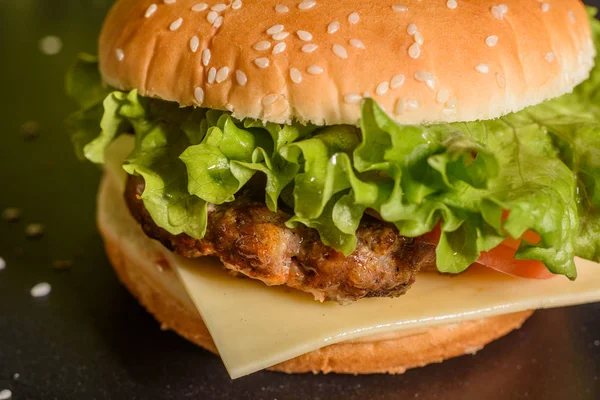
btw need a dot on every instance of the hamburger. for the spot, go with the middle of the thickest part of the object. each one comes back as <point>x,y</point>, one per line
<point>342,149</point>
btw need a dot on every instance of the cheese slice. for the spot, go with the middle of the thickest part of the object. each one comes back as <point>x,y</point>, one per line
<point>254,326</point>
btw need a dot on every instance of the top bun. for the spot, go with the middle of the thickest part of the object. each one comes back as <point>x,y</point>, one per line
<point>313,60</point>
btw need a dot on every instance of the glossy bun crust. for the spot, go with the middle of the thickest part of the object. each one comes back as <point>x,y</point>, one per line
<point>313,60</point>
<point>136,259</point>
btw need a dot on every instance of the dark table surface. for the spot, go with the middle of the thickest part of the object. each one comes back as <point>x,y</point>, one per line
<point>89,339</point>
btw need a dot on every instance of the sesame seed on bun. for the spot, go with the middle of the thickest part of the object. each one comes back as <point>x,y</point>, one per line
<point>314,60</point>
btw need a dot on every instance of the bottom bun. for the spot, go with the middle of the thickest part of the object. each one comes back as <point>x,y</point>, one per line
<point>142,266</point>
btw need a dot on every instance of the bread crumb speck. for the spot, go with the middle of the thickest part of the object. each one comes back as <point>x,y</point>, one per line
<point>30,130</point>
<point>34,231</point>
<point>62,265</point>
<point>11,214</point>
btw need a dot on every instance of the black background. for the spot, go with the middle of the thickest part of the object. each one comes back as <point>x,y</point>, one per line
<point>90,340</point>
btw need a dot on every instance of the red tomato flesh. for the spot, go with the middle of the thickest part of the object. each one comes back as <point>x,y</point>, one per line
<point>502,257</point>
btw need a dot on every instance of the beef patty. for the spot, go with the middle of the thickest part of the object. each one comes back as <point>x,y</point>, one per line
<point>254,241</point>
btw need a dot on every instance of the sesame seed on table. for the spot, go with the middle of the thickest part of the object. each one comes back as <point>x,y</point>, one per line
<point>41,289</point>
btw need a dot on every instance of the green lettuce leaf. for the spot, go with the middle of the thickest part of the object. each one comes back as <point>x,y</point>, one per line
<point>84,86</point>
<point>158,145</point>
<point>485,181</point>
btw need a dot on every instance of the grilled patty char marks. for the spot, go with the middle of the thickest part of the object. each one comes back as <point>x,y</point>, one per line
<point>254,241</point>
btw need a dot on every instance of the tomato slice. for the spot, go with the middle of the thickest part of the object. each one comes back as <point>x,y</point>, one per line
<point>433,237</point>
<point>502,257</point>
